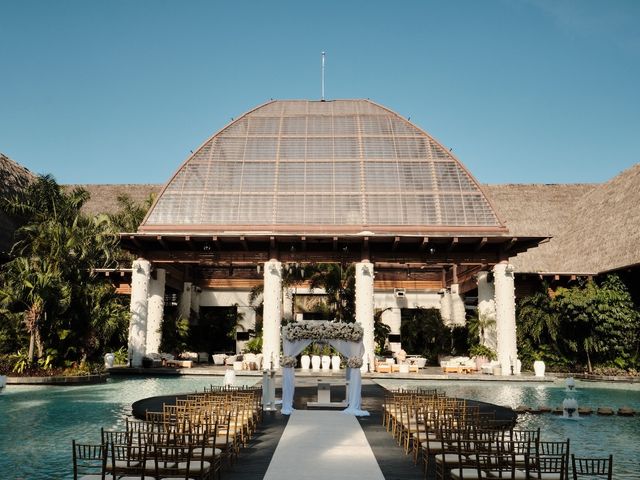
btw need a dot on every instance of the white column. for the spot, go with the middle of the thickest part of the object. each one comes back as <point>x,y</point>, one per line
<point>458,311</point>
<point>195,301</point>
<point>364,309</point>
<point>155,311</point>
<point>287,304</point>
<point>272,313</point>
<point>140,273</point>
<point>505,316</point>
<point>487,311</point>
<point>184,304</point>
<point>446,309</point>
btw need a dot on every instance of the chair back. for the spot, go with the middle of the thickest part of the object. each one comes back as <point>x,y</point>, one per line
<point>595,468</point>
<point>89,459</point>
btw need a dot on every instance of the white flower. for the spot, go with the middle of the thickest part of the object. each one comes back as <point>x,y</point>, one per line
<point>350,332</point>
<point>354,362</point>
<point>289,361</point>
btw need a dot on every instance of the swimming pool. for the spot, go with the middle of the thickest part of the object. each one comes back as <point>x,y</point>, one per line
<point>38,423</point>
<point>592,435</point>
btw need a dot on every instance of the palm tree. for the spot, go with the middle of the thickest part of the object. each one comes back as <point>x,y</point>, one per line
<point>339,285</point>
<point>52,275</point>
<point>35,285</point>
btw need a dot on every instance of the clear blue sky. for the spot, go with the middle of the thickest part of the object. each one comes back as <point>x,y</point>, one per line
<point>119,91</point>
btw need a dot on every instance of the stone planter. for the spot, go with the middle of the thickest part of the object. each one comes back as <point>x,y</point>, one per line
<point>335,362</point>
<point>315,362</point>
<point>539,368</point>
<point>326,362</point>
<point>305,362</point>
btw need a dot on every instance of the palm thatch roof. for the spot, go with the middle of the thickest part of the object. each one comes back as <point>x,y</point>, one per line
<point>599,233</point>
<point>104,198</point>
<point>13,178</point>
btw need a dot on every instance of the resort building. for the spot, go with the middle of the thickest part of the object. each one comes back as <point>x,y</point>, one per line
<point>293,183</point>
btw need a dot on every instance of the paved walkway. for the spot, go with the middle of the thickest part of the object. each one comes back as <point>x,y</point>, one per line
<point>317,445</point>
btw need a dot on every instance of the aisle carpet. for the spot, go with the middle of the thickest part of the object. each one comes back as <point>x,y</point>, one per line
<point>323,444</point>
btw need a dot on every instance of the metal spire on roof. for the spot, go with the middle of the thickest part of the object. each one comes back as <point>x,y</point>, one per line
<point>322,88</point>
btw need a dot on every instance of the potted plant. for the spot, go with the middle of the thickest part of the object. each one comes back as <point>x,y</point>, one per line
<point>482,355</point>
<point>305,359</point>
<point>538,365</point>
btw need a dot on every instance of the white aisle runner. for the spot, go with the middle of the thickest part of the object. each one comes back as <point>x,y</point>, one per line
<point>323,445</point>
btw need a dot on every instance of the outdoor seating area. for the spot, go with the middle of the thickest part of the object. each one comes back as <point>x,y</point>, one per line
<point>454,440</point>
<point>411,364</point>
<point>192,439</point>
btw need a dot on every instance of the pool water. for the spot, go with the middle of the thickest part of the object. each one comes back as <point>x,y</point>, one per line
<point>38,423</point>
<point>591,436</point>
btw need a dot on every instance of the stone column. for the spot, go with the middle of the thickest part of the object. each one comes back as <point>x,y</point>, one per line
<point>446,308</point>
<point>140,274</point>
<point>458,311</point>
<point>272,313</point>
<point>505,317</point>
<point>195,302</point>
<point>155,311</point>
<point>364,309</point>
<point>184,304</point>
<point>287,304</point>
<point>487,311</point>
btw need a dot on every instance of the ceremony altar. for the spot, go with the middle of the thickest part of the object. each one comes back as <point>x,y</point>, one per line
<point>346,338</point>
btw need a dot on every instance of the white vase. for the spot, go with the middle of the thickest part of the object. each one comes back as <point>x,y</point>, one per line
<point>315,362</point>
<point>109,358</point>
<point>305,362</point>
<point>538,368</point>
<point>335,362</point>
<point>326,362</point>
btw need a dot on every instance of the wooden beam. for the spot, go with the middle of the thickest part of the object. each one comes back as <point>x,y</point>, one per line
<point>162,242</point>
<point>189,243</point>
<point>135,241</point>
<point>452,244</point>
<point>396,242</point>
<point>510,244</point>
<point>424,243</point>
<point>335,243</point>
<point>481,244</point>
<point>303,241</point>
<point>244,243</point>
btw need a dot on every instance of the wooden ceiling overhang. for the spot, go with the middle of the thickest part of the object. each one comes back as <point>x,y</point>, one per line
<point>457,254</point>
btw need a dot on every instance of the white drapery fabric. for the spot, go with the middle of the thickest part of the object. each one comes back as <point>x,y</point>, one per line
<point>353,375</point>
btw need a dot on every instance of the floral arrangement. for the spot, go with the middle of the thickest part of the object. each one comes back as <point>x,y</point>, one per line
<point>354,362</point>
<point>350,332</point>
<point>289,361</point>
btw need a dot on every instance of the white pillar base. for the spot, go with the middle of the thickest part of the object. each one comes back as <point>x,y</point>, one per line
<point>506,317</point>
<point>364,310</point>
<point>272,314</point>
<point>155,311</point>
<point>140,275</point>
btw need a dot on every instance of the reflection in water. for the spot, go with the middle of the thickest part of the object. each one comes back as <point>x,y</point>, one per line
<point>38,423</point>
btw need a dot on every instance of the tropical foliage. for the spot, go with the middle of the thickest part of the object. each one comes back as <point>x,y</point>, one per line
<point>423,333</point>
<point>592,323</point>
<point>50,292</point>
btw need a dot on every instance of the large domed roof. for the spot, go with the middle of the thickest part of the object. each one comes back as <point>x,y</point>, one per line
<point>314,166</point>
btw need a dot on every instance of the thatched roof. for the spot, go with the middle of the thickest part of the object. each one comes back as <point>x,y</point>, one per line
<point>13,178</point>
<point>104,198</point>
<point>594,226</point>
<point>597,232</point>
